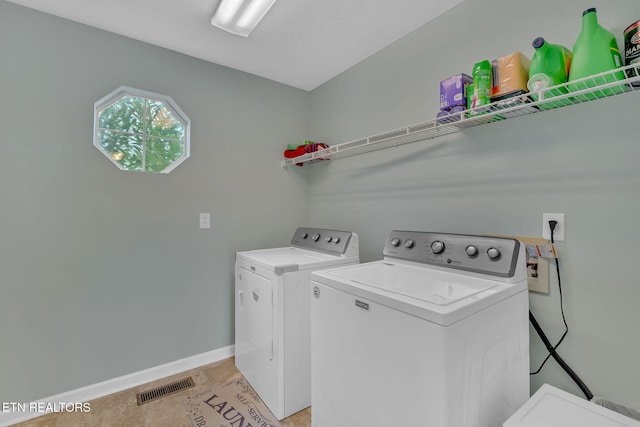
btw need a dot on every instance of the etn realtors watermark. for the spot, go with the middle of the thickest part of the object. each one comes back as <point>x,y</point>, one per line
<point>45,407</point>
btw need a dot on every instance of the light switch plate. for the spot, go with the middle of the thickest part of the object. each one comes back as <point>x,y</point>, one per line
<point>205,221</point>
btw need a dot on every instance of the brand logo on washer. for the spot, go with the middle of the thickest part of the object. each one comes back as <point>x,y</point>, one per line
<point>316,292</point>
<point>362,305</point>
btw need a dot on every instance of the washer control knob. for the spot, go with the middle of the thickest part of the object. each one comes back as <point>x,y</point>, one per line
<point>328,239</point>
<point>493,253</point>
<point>305,235</point>
<point>395,242</point>
<point>336,240</point>
<point>409,243</point>
<point>315,237</point>
<point>471,251</point>
<point>437,246</point>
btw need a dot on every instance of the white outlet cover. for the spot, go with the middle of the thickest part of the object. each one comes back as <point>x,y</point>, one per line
<point>559,234</point>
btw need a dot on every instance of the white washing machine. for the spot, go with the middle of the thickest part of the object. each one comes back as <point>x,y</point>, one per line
<point>435,334</point>
<point>552,407</point>
<point>272,320</point>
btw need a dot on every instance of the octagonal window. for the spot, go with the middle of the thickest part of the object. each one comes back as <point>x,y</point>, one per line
<point>141,131</point>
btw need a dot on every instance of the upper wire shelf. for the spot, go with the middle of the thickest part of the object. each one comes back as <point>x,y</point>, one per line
<point>591,88</point>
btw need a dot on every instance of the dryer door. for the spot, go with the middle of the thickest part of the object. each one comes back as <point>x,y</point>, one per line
<point>254,312</point>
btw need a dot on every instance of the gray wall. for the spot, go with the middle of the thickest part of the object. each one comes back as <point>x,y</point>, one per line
<point>105,272</point>
<point>501,178</point>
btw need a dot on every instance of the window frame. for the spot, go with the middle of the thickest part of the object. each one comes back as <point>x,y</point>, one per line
<point>124,91</point>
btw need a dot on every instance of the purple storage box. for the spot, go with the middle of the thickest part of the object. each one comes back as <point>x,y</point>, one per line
<point>453,91</point>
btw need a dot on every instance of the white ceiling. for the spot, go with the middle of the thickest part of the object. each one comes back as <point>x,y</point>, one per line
<point>301,43</point>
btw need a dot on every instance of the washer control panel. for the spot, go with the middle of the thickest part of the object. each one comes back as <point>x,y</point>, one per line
<point>482,254</point>
<point>322,240</point>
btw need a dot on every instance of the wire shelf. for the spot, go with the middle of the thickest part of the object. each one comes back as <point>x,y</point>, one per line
<point>602,85</point>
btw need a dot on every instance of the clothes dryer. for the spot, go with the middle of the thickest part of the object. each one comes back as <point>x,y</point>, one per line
<point>272,320</point>
<point>435,334</point>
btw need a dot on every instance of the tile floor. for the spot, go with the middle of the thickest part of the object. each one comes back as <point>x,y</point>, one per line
<point>122,410</point>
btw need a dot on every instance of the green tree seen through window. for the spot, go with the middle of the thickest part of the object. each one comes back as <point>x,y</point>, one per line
<point>141,131</point>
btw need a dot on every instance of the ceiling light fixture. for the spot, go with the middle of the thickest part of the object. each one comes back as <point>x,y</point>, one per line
<point>240,16</point>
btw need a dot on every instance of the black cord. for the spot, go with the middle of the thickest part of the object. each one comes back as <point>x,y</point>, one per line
<point>556,356</point>
<point>551,348</point>
<point>552,226</point>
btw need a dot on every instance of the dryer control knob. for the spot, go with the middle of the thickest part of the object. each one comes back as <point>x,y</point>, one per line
<point>437,246</point>
<point>409,243</point>
<point>493,253</point>
<point>471,251</point>
<point>305,235</point>
<point>315,237</point>
<point>395,242</point>
<point>328,239</point>
<point>336,240</point>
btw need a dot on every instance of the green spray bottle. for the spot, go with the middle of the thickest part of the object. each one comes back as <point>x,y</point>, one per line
<point>550,65</point>
<point>595,51</point>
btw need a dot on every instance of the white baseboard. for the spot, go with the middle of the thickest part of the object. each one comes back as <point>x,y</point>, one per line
<point>94,391</point>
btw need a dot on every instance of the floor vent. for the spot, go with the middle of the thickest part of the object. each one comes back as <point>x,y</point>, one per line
<point>165,390</point>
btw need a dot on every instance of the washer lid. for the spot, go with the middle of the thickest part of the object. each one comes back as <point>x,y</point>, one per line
<point>286,259</point>
<point>434,287</point>
<point>552,407</point>
<point>442,297</point>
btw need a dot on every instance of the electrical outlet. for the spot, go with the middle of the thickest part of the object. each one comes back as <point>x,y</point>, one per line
<point>559,232</point>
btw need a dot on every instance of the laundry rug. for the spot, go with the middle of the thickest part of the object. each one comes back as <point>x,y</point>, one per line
<point>234,404</point>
